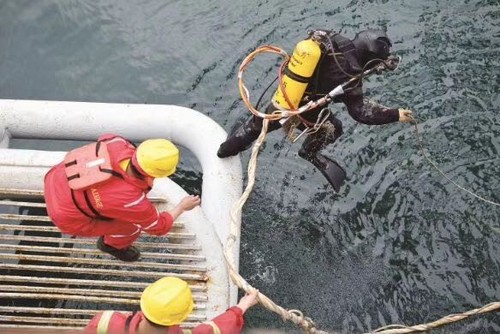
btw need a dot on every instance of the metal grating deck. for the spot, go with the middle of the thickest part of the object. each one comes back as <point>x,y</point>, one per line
<point>54,281</point>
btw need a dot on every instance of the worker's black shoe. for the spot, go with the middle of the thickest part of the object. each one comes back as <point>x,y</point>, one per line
<point>128,254</point>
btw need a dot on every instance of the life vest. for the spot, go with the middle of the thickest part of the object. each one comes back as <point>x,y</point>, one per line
<point>103,324</point>
<point>87,167</point>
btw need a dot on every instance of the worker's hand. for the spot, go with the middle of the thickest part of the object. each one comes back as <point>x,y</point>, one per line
<point>405,115</point>
<point>248,300</point>
<point>186,204</point>
<point>189,202</point>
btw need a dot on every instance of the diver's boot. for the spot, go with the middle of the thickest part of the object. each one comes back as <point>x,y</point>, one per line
<point>128,254</point>
<point>239,140</point>
<point>332,171</point>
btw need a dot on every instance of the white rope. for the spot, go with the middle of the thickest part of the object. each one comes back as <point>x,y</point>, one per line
<point>297,316</point>
<point>421,149</point>
<point>294,316</point>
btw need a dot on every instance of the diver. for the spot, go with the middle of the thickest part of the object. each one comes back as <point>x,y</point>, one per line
<point>339,60</point>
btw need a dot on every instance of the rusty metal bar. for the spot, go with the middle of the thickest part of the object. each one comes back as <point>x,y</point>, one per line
<point>108,300</point>
<point>94,271</point>
<point>12,227</point>
<point>49,311</point>
<point>95,261</point>
<point>83,292</point>
<point>10,216</point>
<point>71,291</point>
<point>99,283</point>
<point>53,329</point>
<point>80,251</point>
<point>69,329</point>
<point>12,191</point>
<point>92,242</point>
<point>62,311</point>
<point>28,204</point>
<point>65,321</point>
<point>44,320</point>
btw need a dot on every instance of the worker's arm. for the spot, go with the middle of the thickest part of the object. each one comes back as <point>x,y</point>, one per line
<point>231,321</point>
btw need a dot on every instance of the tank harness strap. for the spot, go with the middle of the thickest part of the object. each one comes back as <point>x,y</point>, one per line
<point>75,202</point>
<point>102,326</point>
<point>94,210</point>
<point>106,170</point>
<point>69,164</point>
<point>127,322</point>
<point>288,72</point>
<point>345,45</point>
<point>95,214</point>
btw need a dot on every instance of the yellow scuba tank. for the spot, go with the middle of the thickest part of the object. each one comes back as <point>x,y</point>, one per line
<point>297,74</point>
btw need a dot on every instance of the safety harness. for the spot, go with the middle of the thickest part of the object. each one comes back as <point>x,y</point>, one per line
<point>334,45</point>
<point>345,46</point>
<point>87,167</point>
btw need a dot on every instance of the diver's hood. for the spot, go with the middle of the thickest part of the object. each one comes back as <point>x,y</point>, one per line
<point>372,44</point>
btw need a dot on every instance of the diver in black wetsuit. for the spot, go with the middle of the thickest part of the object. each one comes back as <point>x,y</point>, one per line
<point>366,50</point>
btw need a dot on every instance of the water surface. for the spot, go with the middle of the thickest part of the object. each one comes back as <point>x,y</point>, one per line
<point>400,244</point>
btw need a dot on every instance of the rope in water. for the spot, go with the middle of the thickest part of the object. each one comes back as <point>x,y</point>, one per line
<point>297,316</point>
<point>421,149</point>
<point>294,316</point>
<point>401,329</point>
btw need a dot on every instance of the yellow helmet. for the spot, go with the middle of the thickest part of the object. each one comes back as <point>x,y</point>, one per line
<point>156,158</point>
<point>167,301</point>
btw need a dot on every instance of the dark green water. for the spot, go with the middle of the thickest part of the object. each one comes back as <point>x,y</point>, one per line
<point>400,244</point>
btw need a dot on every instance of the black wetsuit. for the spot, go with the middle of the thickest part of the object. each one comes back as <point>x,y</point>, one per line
<point>327,76</point>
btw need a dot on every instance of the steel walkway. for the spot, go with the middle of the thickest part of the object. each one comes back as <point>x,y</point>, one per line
<point>52,281</point>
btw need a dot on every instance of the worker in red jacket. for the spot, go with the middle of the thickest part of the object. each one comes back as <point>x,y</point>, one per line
<point>164,305</point>
<point>100,190</point>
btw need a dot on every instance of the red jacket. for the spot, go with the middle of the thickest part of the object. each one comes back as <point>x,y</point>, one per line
<point>121,198</point>
<point>230,322</point>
